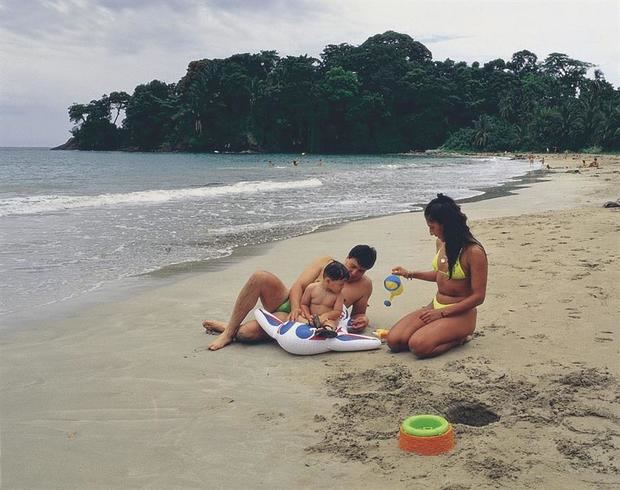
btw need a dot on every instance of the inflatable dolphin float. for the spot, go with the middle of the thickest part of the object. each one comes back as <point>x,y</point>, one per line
<point>301,338</point>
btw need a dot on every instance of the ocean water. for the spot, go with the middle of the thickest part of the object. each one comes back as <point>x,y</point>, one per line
<point>74,222</point>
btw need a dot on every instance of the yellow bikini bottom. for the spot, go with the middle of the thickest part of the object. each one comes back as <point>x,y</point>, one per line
<point>437,305</point>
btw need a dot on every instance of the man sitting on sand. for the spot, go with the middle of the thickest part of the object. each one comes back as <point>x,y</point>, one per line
<point>286,304</point>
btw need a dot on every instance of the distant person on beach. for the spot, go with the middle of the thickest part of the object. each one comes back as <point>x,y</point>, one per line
<point>286,303</point>
<point>321,303</point>
<point>460,271</point>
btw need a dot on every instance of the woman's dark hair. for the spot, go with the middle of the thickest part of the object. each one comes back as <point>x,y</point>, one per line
<point>364,254</point>
<point>336,271</point>
<point>445,211</point>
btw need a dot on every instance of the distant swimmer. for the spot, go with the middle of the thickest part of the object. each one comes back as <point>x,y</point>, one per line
<point>295,163</point>
<point>270,163</point>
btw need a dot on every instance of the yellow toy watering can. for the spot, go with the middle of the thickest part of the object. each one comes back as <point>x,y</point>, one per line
<point>395,287</point>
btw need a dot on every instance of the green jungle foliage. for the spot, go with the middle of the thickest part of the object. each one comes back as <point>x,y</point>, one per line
<point>385,95</point>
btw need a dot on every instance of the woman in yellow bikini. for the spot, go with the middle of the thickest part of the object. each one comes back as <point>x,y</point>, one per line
<point>460,271</point>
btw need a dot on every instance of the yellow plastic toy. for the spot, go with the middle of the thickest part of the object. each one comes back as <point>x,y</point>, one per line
<point>394,285</point>
<point>381,333</point>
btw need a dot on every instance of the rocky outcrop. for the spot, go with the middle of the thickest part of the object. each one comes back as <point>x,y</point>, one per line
<point>71,144</point>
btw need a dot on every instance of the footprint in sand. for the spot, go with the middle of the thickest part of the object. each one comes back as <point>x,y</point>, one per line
<point>200,349</point>
<point>576,277</point>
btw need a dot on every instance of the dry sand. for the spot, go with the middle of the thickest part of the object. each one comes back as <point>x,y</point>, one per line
<point>126,394</point>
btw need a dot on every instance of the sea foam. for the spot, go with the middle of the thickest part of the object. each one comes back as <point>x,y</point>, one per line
<point>54,203</point>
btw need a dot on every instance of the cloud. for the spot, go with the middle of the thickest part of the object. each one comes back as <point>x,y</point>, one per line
<point>56,52</point>
<point>439,39</point>
<point>299,8</point>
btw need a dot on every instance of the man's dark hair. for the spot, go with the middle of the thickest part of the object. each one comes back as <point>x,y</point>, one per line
<point>336,271</point>
<point>364,254</point>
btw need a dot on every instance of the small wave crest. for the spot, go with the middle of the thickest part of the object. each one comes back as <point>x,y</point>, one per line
<point>52,203</point>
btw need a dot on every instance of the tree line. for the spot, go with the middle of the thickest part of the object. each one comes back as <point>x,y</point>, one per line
<point>385,95</point>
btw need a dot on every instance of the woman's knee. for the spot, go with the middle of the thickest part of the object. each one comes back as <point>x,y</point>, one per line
<point>396,341</point>
<point>420,346</point>
<point>396,345</point>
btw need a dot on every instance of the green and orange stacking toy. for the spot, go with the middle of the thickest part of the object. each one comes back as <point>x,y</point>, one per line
<point>426,435</point>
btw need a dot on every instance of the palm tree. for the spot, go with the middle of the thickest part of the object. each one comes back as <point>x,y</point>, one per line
<point>482,134</point>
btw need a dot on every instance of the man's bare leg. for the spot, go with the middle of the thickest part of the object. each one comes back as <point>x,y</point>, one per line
<point>248,332</point>
<point>213,326</point>
<point>261,285</point>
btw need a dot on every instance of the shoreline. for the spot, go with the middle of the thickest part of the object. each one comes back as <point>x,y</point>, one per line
<point>166,275</point>
<point>127,394</point>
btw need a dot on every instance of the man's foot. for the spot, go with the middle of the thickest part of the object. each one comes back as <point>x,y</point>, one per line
<point>213,327</point>
<point>221,341</point>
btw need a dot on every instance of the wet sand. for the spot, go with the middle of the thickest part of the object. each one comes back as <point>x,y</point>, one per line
<point>126,394</point>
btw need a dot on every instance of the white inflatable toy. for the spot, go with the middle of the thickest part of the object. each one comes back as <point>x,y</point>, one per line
<point>300,338</point>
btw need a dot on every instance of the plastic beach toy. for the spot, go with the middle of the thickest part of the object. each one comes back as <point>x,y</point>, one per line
<point>425,425</point>
<point>426,435</point>
<point>394,286</point>
<point>302,339</point>
<point>381,333</point>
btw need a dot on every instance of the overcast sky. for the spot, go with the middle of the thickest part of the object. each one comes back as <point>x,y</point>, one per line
<point>57,52</point>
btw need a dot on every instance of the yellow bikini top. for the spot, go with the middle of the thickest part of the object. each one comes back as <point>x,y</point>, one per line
<point>458,274</point>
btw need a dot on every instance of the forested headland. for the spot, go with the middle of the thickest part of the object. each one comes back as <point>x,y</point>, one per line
<point>385,95</point>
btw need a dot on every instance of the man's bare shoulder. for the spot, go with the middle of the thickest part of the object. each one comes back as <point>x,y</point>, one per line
<point>312,271</point>
<point>366,283</point>
<point>359,288</point>
<point>320,262</point>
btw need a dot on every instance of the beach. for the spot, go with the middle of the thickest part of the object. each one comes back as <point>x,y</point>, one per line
<point>126,394</point>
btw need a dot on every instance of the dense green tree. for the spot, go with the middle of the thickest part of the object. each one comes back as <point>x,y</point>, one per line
<point>149,115</point>
<point>286,106</point>
<point>118,102</point>
<point>93,128</point>
<point>384,95</point>
<point>523,62</point>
